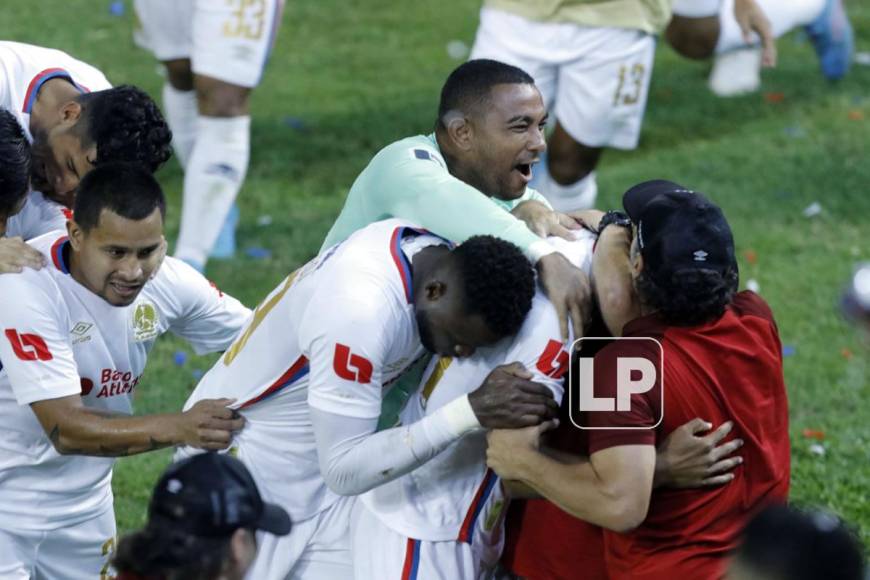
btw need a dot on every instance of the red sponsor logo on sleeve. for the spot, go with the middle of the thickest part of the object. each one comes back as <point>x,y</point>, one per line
<point>28,346</point>
<point>351,367</point>
<point>553,362</point>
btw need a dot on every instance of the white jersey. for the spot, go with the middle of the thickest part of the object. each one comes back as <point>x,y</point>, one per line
<point>25,67</point>
<point>39,216</point>
<point>60,339</point>
<point>454,496</point>
<point>331,336</point>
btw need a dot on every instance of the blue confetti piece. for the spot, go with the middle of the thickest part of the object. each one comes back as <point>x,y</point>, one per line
<point>296,124</point>
<point>197,373</point>
<point>795,132</point>
<point>258,253</point>
<point>116,8</point>
<point>180,358</point>
<point>788,350</point>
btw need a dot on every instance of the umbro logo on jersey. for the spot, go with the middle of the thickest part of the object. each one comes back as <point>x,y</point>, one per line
<point>80,331</point>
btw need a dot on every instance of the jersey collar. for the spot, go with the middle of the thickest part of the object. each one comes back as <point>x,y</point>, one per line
<point>403,265</point>
<point>58,249</point>
<point>40,79</point>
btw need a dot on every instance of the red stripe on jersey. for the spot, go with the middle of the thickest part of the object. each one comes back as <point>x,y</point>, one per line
<point>296,371</point>
<point>412,560</point>
<point>483,492</point>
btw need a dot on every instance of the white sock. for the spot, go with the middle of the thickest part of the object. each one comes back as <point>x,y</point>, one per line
<point>181,114</point>
<point>578,195</point>
<point>217,168</point>
<point>784,15</point>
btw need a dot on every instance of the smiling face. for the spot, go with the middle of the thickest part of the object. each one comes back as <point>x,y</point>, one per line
<point>508,138</point>
<point>117,256</point>
<point>60,160</point>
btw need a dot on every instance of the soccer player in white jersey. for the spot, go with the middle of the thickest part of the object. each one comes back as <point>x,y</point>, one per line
<point>310,370</point>
<point>592,61</point>
<point>75,120</point>
<point>214,54</point>
<point>444,518</point>
<point>76,336</point>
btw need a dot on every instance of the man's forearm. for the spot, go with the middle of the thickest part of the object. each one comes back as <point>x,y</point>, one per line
<point>576,488</point>
<point>100,433</point>
<point>611,273</point>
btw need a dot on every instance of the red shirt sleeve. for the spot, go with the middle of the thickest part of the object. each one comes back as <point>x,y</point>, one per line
<point>636,425</point>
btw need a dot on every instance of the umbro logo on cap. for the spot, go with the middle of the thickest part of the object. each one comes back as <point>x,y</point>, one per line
<point>700,256</point>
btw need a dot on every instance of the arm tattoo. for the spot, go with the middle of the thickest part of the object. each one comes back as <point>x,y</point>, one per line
<point>104,450</point>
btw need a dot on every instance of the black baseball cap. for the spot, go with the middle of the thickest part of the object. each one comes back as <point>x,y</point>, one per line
<point>678,230</point>
<point>211,495</point>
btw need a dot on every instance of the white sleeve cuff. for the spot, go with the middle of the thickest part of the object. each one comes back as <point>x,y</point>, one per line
<point>460,416</point>
<point>538,250</point>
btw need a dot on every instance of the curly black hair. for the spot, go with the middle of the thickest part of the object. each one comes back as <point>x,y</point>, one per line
<point>126,125</point>
<point>499,282</point>
<point>690,296</point>
<point>14,163</point>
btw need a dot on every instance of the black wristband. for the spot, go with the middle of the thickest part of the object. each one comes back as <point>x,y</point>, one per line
<point>616,218</point>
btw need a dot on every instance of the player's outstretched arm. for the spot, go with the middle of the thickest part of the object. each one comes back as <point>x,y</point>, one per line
<point>569,289</point>
<point>78,430</point>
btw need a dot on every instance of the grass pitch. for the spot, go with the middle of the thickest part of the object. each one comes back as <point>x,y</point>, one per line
<point>348,78</point>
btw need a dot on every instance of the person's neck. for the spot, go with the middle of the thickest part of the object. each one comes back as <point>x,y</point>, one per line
<point>52,94</point>
<point>424,263</point>
<point>455,168</point>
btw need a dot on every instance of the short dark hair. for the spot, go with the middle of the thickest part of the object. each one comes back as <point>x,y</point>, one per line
<point>787,543</point>
<point>126,125</point>
<point>499,282</point>
<point>14,163</point>
<point>468,86</point>
<point>127,189</point>
<point>689,296</point>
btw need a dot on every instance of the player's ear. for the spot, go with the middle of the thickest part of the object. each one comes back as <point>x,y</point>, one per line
<point>459,130</point>
<point>70,113</point>
<point>76,234</point>
<point>434,290</point>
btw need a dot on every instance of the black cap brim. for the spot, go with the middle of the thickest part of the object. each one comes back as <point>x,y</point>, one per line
<point>638,197</point>
<point>274,520</point>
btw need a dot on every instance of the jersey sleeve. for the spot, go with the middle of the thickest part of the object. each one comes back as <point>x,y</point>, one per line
<point>200,313</point>
<point>34,345</point>
<point>539,347</point>
<point>347,339</point>
<point>416,186</point>
<point>38,216</point>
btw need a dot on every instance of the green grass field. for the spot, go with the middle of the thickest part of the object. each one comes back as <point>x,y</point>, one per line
<point>360,75</point>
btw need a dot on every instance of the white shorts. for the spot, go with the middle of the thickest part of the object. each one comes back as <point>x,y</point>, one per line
<point>229,40</point>
<point>596,80</point>
<point>379,552</point>
<point>79,552</point>
<point>315,549</point>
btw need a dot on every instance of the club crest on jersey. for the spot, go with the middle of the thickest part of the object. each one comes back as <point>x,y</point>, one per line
<point>144,322</point>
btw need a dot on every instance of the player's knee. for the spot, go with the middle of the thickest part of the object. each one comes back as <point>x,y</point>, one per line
<point>693,38</point>
<point>219,99</point>
<point>567,167</point>
<point>179,75</point>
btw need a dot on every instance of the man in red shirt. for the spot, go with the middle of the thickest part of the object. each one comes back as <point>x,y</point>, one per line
<point>721,360</point>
